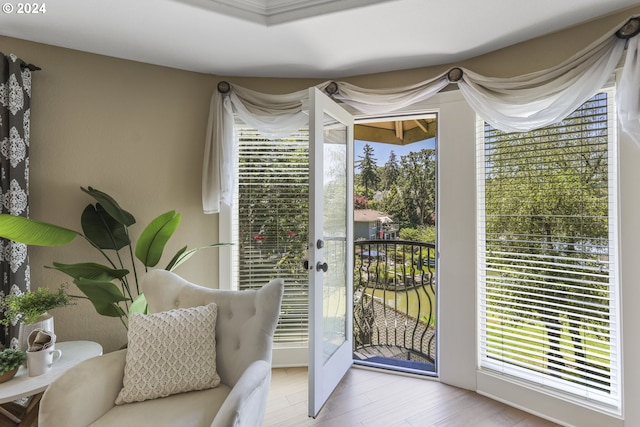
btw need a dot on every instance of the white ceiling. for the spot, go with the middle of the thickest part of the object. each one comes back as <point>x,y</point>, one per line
<point>298,38</point>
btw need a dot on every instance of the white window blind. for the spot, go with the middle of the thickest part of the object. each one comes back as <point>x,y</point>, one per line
<point>547,254</point>
<point>270,223</point>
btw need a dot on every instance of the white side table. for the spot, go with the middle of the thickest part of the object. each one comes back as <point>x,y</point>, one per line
<point>22,385</point>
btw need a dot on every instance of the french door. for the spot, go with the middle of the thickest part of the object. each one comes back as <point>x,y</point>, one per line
<point>330,262</point>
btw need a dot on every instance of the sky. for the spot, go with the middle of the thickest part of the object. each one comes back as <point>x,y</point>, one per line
<point>381,151</point>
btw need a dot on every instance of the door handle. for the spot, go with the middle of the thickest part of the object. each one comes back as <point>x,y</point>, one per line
<point>305,264</point>
<point>322,266</point>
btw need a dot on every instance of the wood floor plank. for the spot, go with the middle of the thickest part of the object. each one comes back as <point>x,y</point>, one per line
<point>368,398</point>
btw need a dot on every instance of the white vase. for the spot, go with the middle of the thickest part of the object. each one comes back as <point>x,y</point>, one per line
<point>45,322</point>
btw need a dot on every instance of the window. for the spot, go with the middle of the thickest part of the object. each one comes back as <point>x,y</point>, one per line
<point>270,222</point>
<point>548,254</point>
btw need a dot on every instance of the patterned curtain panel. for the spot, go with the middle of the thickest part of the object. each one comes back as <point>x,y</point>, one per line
<point>15,97</point>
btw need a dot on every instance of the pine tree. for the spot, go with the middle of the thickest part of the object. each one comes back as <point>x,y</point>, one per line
<point>368,171</point>
<point>390,172</point>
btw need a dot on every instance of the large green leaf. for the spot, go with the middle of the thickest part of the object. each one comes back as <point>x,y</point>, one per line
<point>175,259</point>
<point>139,305</point>
<point>102,229</point>
<point>155,236</point>
<point>32,232</point>
<point>184,255</point>
<point>104,296</point>
<point>90,270</point>
<point>111,206</point>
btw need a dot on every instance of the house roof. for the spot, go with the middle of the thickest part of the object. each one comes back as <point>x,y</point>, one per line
<point>295,38</point>
<point>370,215</point>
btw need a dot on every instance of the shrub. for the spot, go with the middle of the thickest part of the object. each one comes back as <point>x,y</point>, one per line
<point>11,359</point>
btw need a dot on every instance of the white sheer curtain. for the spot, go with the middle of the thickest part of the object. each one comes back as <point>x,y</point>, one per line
<point>628,93</point>
<point>536,100</point>
<point>381,101</point>
<point>274,116</point>
<point>513,104</point>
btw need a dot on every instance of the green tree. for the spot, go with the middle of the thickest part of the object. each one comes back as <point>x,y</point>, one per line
<point>390,172</point>
<point>368,171</point>
<point>418,186</point>
<point>420,234</point>
<point>393,204</point>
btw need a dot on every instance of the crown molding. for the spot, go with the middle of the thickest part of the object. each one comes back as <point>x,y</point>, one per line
<point>273,12</point>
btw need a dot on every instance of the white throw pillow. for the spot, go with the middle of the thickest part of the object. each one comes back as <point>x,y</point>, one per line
<point>170,352</point>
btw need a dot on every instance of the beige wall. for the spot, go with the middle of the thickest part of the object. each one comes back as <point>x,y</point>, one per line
<point>136,131</point>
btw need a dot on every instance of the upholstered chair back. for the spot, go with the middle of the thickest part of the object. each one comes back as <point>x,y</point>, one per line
<point>246,319</point>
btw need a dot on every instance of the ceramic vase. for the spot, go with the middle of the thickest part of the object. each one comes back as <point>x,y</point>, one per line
<point>45,322</point>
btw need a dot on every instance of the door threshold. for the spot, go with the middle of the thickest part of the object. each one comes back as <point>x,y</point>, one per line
<point>400,370</point>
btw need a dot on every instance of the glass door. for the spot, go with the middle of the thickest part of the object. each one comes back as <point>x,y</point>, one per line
<point>330,247</point>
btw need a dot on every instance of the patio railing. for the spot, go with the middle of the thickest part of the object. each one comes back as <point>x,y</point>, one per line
<point>394,302</point>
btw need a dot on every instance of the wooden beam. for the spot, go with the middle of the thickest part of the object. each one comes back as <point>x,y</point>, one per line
<point>421,126</point>
<point>399,131</point>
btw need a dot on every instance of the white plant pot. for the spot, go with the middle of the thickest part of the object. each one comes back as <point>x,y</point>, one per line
<point>44,322</point>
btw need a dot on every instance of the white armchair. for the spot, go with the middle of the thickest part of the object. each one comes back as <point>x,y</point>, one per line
<point>85,395</point>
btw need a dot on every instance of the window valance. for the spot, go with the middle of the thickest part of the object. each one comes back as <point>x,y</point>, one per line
<point>512,104</point>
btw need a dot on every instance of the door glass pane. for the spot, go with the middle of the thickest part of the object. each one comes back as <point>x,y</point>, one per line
<point>334,236</point>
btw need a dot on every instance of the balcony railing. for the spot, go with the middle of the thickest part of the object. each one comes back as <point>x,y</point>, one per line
<point>394,303</point>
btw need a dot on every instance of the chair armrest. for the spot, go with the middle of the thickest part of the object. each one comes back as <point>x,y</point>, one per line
<point>83,393</point>
<point>246,403</point>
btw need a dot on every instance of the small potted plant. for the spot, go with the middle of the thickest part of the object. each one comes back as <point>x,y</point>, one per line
<point>31,310</point>
<point>10,361</point>
<point>31,305</point>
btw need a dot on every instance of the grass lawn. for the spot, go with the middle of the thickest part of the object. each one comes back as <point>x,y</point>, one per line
<point>527,346</point>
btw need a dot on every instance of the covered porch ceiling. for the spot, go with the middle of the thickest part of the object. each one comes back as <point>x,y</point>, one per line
<point>401,131</point>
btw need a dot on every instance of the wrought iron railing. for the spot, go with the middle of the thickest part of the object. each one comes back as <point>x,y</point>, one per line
<point>394,300</point>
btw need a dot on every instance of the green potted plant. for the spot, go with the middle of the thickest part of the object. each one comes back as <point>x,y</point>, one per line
<point>105,226</point>
<point>30,310</point>
<point>10,361</point>
<point>31,306</point>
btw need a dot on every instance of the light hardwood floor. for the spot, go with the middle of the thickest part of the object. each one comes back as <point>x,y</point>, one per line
<point>368,398</point>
